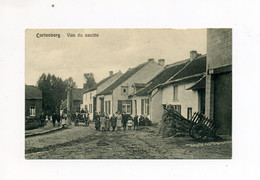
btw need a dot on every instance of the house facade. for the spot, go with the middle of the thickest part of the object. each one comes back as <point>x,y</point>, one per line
<point>90,103</point>
<point>116,96</point>
<point>186,90</point>
<point>219,79</point>
<point>148,100</point>
<point>33,101</point>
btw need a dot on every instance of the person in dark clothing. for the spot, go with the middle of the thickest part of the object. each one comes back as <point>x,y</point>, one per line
<point>54,118</point>
<point>97,123</point>
<point>125,119</point>
<point>113,122</point>
<point>58,119</point>
<point>136,123</point>
<point>42,118</point>
<point>141,121</point>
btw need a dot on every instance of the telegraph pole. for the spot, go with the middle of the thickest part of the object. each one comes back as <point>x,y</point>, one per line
<point>69,104</point>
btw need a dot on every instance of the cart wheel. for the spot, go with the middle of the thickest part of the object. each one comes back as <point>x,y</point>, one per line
<point>199,132</point>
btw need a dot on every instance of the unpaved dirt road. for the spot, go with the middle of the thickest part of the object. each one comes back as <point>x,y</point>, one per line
<point>85,143</point>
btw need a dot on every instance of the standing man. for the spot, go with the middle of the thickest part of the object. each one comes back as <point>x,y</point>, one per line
<point>113,122</point>
<point>42,118</point>
<point>136,123</point>
<point>125,119</point>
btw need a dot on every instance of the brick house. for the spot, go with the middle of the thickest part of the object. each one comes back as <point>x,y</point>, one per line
<point>115,97</point>
<point>33,101</point>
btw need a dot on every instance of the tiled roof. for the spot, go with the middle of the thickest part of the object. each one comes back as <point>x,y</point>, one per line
<point>100,83</point>
<point>77,93</point>
<point>32,92</point>
<point>195,67</point>
<point>123,78</point>
<point>162,77</point>
<point>201,84</point>
<point>139,85</point>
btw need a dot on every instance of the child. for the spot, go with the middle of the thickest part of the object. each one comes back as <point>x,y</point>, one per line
<point>129,124</point>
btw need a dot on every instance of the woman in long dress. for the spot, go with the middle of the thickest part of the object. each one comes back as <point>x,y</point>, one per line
<point>119,121</point>
<point>103,122</point>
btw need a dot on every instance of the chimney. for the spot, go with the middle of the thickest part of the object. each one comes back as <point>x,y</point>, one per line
<point>110,73</point>
<point>150,60</point>
<point>193,55</point>
<point>161,62</point>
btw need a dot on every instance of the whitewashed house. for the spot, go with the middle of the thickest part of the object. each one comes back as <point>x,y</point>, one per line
<point>90,103</point>
<point>186,90</point>
<point>148,100</point>
<point>115,97</point>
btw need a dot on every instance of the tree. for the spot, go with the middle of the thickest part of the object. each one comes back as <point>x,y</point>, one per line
<point>90,80</point>
<point>53,91</point>
<point>69,83</point>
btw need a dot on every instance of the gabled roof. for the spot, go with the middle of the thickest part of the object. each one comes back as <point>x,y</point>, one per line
<point>163,76</point>
<point>32,92</point>
<point>77,93</point>
<point>100,83</point>
<point>201,84</point>
<point>195,67</point>
<point>123,78</point>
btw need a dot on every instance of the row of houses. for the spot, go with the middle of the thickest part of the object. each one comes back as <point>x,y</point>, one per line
<point>201,83</point>
<point>148,87</point>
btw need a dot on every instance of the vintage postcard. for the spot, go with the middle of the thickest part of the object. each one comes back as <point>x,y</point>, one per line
<point>128,93</point>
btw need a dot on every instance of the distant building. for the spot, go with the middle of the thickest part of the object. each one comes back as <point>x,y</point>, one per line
<point>89,96</point>
<point>219,78</point>
<point>115,97</point>
<point>76,96</point>
<point>33,101</point>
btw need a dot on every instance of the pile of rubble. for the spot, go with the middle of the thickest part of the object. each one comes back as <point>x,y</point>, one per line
<point>173,123</point>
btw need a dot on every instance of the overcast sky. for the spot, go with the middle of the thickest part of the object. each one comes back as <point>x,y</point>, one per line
<point>113,50</point>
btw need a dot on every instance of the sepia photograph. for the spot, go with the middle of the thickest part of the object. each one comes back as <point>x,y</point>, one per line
<point>128,93</point>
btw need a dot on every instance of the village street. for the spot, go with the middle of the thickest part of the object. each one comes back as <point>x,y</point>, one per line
<point>80,142</point>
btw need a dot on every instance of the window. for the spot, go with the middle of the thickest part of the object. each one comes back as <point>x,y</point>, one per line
<point>124,90</point>
<point>177,108</point>
<point>175,93</point>
<point>126,107</point>
<point>90,108</point>
<point>145,106</point>
<point>90,95</point>
<point>108,107</point>
<point>189,113</point>
<point>32,110</point>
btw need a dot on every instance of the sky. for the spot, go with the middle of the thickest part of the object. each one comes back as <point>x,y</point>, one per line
<point>112,50</point>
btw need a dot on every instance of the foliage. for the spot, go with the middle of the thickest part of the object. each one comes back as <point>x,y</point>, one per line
<point>32,123</point>
<point>90,80</point>
<point>53,91</point>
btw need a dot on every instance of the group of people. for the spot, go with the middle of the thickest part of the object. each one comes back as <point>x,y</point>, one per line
<point>55,117</point>
<point>81,117</point>
<point>117,121</point>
